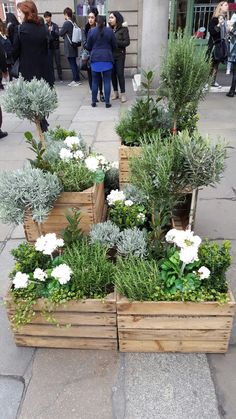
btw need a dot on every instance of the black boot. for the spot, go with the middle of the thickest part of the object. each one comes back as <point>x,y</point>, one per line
<point>3,134</point>
<point>102,99</point>
<point>231,93</point>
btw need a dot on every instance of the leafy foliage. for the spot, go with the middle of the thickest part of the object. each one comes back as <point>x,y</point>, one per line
<point>127,216</point>
<point>27,189</point>
<point>39,150</point>
<point>135,194</point>
<point>106,234</point>
<point>92,279</point>
<point>30,99</point>
<point>60,133</point>
<point>73,174</point>
<point>132,242</point>
<point>28,258</point>
<point>111,180</point>
<point>72,232</point>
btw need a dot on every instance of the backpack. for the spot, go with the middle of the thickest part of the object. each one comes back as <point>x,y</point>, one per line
<point>7,46</point>
<point>76,39</point>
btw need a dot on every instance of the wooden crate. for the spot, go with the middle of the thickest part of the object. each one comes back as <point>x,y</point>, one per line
<point>184,215</point>
<point>125,153</point>
<point>91,203</point>
<point>174,326</point>
<point>93,325</point>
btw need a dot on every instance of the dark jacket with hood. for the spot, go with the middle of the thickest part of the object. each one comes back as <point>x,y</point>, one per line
<point>122,35</point>
<point>101,44</point>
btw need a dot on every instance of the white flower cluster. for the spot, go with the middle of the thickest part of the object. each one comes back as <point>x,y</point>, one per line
<point>95,162</point>
<point>114,196</point>
<point>72,152</point>
<point>21,280</point>
<point>40,274</point>
<point>62,273</point>
<point>188,244</point>
<point>48,243</point>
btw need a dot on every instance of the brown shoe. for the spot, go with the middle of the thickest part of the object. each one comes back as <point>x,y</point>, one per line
<point>115,95</point>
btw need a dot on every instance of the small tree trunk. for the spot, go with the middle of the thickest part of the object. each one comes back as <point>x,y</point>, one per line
<point>40,132</point>
<point>175,124</point>
<point>39,226</point>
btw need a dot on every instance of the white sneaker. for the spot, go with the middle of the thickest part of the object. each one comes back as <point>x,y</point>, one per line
<point>73,84</point>
<point>227,72</point>
<point>216,85</point>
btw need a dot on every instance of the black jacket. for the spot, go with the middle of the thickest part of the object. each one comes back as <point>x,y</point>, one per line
<point>3,63</point>
<point>101,47</point>
<point>31,47</point>
<point>53,36</point>
<point>122,39</point>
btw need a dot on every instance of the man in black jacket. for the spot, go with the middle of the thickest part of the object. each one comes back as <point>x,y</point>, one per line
<point>3,68</point>
<point>53,43</point>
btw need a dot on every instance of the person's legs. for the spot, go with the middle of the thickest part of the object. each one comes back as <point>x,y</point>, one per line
<point>107,85</point>
<point>51,69</point>
<point>100,85</point>
<point>114,81</point>
<point>214,70</point>
<point>58,62</point>
<point>74,68</point>
<point>231,92</point>
<point>2,133</point>
<point>90,77</point>
<point>95,78</point>
<point>120,64</point>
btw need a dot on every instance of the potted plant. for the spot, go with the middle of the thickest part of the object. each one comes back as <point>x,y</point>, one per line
<point>33,100</point>
<point>177,303</point>
<point>79,176</point>
<point>58,298</point>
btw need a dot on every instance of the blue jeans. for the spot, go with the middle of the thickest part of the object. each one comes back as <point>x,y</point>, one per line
<point>107,85</point>
<point>74,68</point>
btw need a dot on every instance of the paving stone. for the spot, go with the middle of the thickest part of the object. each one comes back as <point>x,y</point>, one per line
<point>5,229</point>
<point>169,386</point>
<point>11,391</point>
<point>106,132</point>
<point>6,263</point>
<point>11,165</point>
<point>15,360</point>
<point>108,149</point>
<point>85,128</point>
<point>12,153</point>
<point>89,140</point>
<point>18,232</point>
<point>87,113</point>
<point>13,139</point>
<point>79,385</point>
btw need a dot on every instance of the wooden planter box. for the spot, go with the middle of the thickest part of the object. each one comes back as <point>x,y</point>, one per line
<point>174,326</point>
<point>91,203</point>
<point>125,153</point>
<point>93,325</point>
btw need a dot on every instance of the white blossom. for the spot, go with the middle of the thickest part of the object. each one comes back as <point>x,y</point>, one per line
<point>114,196</point>
<point>141,217</point>
<point>20,280</point>
<point>72,142</point>
<point>187,239</point>
<point>115,165</point>
<point>204,272</point>
<point>65,154</point>
<point>172,234</point>
<point>62,273</point>
<point>40,274</point>
<point>78,154</point>
<point>188,254</point>
<point>48,243</point>
<point>128,203</point>
<point>92,163</point>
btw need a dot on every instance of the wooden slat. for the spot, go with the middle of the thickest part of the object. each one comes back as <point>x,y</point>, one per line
<point>126,152</point>
<point>172,346</point>
<point>171,334</point>
<point>66,343</point>
<point>83,319</point>
<point>84,197</point>
<point>108,332</point>
<point>167,322</point>
<point>124,306</point>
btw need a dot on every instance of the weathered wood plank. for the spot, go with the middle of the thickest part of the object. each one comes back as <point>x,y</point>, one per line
<point>66,343</point>
<point>78,319</point>
<point>174,322</point>
<point>172,346</point>
<point>108,332</point>
<point>141,334</point>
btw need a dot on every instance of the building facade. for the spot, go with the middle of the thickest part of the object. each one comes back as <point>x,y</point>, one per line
<point>7,6</point>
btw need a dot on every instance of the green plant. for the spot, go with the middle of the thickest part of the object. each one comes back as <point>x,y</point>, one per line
<point>144,116</point>
<point>60,133</point>
<point>28,258</point>
<point>39,162</point>
<point>111,180</point>
<point>188,118</point>
<point>136,278</point>
<point>185,72</point>
<point>106,234</point>
<point>127,216</point>
<point>33,100</point>
<point>132,242</point>
<point>73,174</point>
<point>27,189</point>
<point>92,271</point>
<point>72,232</point>
<point>217,259</point>
<point>135,194</point>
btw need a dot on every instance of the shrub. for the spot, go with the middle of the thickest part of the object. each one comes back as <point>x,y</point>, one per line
<point>106,234</point>
<point>60,134</point>
<point>111,180</point>
<point>73,174</point>
<point>132,242</point>
<point>28,258</point>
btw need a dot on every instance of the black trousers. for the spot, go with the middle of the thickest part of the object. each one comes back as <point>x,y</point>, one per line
<point>0,118</point>
<point>118,73</point>
<point>54,54</point>
<point>233,82</point>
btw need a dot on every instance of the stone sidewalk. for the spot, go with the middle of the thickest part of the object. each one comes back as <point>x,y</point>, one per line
<point>76,384</point>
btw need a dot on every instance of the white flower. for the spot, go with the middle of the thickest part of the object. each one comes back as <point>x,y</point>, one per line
<point>62,273</point>
<point>65,154</point>
<point>188,254</point>
<point>20,280</point>
<point>115,196</point>
<point>172,234</point>
<point>141,217</point>
<point>102,159</point>
<point>40,274</point>
<point>48,243</point>
<point>115,165</point>
<point>78,154</point>
<point>92,163</point>
<point>128,203</point>
<point>72,142</point>
<point>187,239</point>
<point>204,272</point>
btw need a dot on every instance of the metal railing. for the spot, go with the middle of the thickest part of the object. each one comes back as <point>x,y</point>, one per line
<point>201,17</point>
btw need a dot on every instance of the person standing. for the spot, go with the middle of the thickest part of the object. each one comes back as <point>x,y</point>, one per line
<point>3,69</point>
<point>101,42</point>
<point>7,46</point>
<point>71,52</point>
<point>232,59</point>
<point>12,23</point>
<point>218,31</point>
<point>91,24</point>
<point>53,44</point>
<point>116,22</point>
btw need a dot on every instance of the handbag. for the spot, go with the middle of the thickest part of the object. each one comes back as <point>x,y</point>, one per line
<point>220,51</point>
<point>84,60</point>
